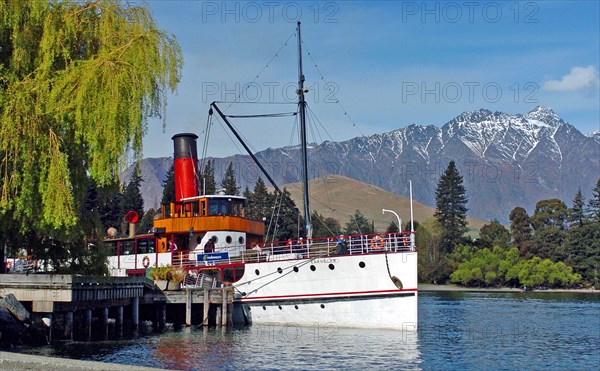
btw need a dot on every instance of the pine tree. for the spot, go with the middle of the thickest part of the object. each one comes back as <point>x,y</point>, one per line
<point>549,223</point>
<point>289,222</point>
<point>392,228</point>
<point>577,212</point>
<point>168,195</point>
<point>132,197</point>
<point>594,203</point>
<point>324,227</point>
<point>260,202</point>
<point>451,209</point>
<point>358,224</point>
<point>229,182</point>
<point>520,227</point>
<point>207,181</point>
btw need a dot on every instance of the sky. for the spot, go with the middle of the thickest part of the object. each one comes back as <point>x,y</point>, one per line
<point>374,66</point>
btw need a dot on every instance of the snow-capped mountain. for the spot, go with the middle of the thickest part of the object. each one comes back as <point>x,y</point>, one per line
<point>506,160</point>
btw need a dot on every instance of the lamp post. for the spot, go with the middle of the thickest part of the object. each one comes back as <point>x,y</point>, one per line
<point>397,217</point>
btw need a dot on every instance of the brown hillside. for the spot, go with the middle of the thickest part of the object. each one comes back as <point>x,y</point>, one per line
<point>339,197</point>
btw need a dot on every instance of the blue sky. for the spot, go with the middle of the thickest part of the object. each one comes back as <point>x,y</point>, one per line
<point>390,64</point>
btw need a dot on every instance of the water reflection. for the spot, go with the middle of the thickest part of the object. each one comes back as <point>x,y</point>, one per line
<point>290,347</point>
<point>456,331</point>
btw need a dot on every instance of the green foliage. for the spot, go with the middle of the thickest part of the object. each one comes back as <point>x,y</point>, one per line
<point>594,203</point>
<point>260,201</point>
<point>229,181</point>
<point>147,222</point>
<point>78,82</point>
<point>287,221</point>
<point>500,266</point>
<point>433,265</point>
<point>494,234</point>
<point>168,195</point>
<point>549,223</point>
<point>324,227</point>
<point>577,212</point>
<point>358,224</point>
<point>583,248</point>
<point>392,228</point>
<point>520,227</point>
<point>451,209</point>
<point>208,179</point>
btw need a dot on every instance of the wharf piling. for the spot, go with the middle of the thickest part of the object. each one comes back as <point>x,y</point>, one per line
<point>83,307</point>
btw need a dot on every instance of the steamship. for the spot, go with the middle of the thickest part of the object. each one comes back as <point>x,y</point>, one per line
<point>362,281</point>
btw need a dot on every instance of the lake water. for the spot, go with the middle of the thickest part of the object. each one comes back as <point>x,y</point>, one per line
<point>457,330</point>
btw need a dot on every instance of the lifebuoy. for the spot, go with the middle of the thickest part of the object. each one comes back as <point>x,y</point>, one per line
<point>377,243</point>
<point>146,262</point>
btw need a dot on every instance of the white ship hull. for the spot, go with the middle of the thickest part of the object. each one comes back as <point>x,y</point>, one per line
<point>307,292</point>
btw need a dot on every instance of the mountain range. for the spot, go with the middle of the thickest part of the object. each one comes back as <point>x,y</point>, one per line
<point>506,161</point>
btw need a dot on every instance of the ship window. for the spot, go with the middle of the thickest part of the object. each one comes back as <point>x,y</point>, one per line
<point>331,266</point>
<point>361,264</point>
<point>241,240</point>
<point>228,239</point>
<point>146,246</point>
<point>257,272</point>
<point>296,269</point>
<point>126,247</point>
<point>313,268</point>
<point>215,238</point>
<point>279,270</point>
<point>322,306</point>
<point>295,306</point>
<point>264,308</point>
<point>280,307</point>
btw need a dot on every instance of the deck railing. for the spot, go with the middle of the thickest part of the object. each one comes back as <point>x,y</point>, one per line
<point>301,249</point>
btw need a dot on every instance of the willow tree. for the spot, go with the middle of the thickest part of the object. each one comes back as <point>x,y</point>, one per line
<point>78,82</point>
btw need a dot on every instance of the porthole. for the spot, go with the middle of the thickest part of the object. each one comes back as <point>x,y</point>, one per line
<point>249,308</point>
<point>264,308</point>
<point>361,264</point>
<point>313,268</point>
<point>215,239</point>
<point>228,239</point>
<point>257,272</point>
<point>279,270</point>
<point>295,306</point>
<point>331,266</point>
<point>280,307</point>
<point>296,269</point>
<point>322,306</point>
<point>241,240</point>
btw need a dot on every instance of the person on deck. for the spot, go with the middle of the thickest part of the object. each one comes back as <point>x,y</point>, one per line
<point>210,245</point>
<point>342,246</point>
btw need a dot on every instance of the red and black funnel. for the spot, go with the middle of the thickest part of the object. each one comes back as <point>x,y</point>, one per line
<point>186,163</point>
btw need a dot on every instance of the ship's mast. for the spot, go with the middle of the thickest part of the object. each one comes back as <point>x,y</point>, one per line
<point>302,108</point>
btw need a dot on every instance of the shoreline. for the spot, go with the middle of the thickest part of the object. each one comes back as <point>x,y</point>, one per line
<point>456,288</point>
<point>19,361</point>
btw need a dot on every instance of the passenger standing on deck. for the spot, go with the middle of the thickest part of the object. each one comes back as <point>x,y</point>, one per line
<point>342,247</point>
<point>210,245</point>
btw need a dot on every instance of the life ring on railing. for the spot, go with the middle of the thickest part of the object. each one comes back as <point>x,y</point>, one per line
<point>146,262</point>
<point>377,242</point>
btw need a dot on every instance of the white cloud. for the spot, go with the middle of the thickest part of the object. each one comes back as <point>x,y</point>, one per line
<point>580,78</point>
